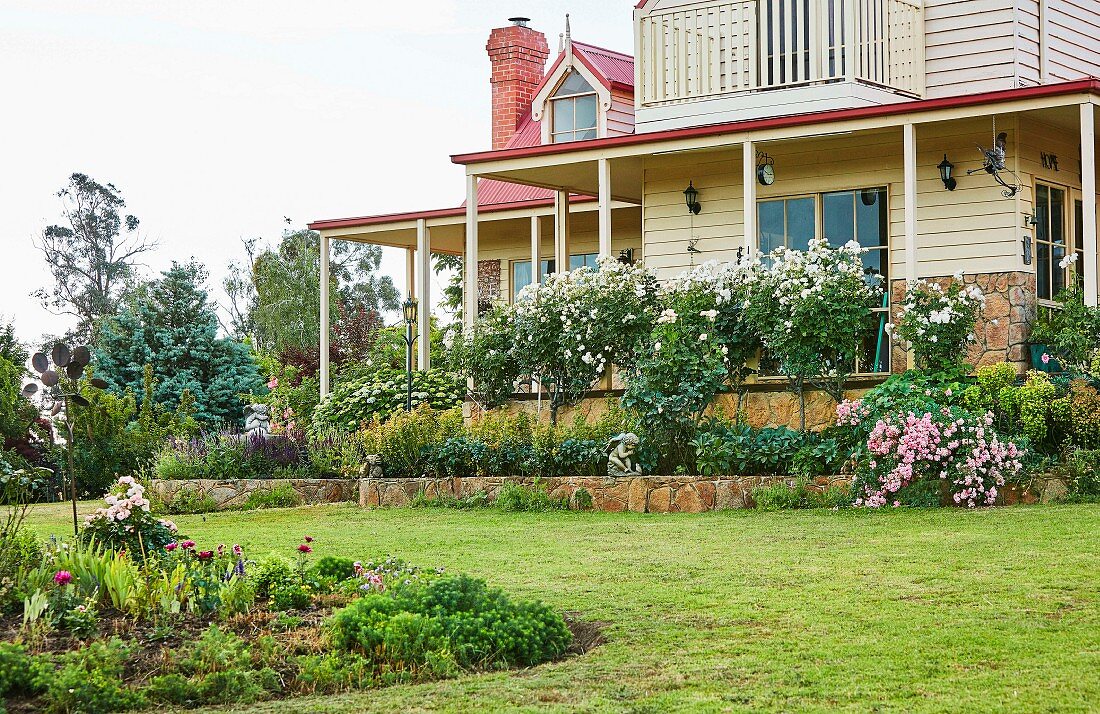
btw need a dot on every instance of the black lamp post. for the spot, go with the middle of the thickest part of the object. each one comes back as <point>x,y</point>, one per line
<point>691,198</point>
<point>946,167</point>
<point>409,309</point>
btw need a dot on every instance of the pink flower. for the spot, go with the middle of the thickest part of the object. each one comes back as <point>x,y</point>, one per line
<point>187,544</point>
<point>273,382</point>
<point>206,554</point>
<point>305,548</point>
<point>221,548</point>
<point>1046,358</point>
<point>308,539</point>
<point>63,577</point>
<point>236,549</point>
<point>171,546</point>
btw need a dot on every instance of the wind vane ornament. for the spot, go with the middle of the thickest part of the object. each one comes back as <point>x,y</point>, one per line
<point>995,165</point>
<point>71,363</point>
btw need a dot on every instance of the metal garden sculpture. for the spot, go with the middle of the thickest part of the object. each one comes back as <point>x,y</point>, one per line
<point>994,163</point>
<point>61,392</point>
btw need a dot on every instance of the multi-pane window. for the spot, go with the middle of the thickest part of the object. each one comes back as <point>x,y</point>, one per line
<point>584,260</point>
<point>861,215</point>
<point>521,274</point>
<point>574,108</point>
<point>1050,241</point>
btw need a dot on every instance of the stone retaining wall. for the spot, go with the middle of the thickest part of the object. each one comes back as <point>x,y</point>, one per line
<point>233,493</point>
<point>643,494</point>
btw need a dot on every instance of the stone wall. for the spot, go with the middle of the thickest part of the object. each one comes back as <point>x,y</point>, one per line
<point>644,494</point>
<point>488,284</point>
<point>1005,326</point>
<point>234,493</point>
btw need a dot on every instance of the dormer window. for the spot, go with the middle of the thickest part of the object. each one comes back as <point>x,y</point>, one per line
<point>574,106</point>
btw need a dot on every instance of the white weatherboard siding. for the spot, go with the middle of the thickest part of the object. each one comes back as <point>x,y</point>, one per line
<point>1073,42</point>
<point>970,46</point>
<point>620,116</point>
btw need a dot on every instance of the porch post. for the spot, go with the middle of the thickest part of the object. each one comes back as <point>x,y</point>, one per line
<point>909,141</point>
<point>1088,200</point>
<point>324,331</point>
<point>748,180</point>
<point>536,252</point>
<point>604,171</point>
<point>561,231</point>
<point>410,271</point>
<point>469,284</point>
<point>423,292</point>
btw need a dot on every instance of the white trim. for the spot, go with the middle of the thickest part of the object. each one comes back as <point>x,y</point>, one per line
<point>540,105</point>
<point>325,322</point>
<point>469,287</point>
<point>1088,201</point>
<point>909,153</point>
<point>748,178</point>
<point>424,285</point>
<point>561,230</point>
<point>604,219</point>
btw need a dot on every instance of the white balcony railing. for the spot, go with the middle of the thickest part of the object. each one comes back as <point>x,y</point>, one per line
<point>713,48</point>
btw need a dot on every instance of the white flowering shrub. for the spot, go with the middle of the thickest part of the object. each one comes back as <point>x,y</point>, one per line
<point>937,323</point>
<point>486,356</point>
<point>569,329</point>
<point>810,309</point>
<point>699,343</point>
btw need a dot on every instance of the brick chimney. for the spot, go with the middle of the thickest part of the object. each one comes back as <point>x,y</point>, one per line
<point>518,55</point>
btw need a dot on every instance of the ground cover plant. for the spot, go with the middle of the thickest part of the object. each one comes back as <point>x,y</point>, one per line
<point>90,627</point>
<point>739,611</point>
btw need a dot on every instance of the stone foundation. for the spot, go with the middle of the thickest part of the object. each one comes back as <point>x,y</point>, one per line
<point>644,494</point>
<point>1010,302</point>
<point>234,493</point>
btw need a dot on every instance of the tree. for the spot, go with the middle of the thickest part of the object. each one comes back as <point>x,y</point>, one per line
<point>92,258</point>
<point>283,307</point>
<point>171,324</point>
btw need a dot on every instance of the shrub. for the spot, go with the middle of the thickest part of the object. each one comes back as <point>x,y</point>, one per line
<point>487,357</point>
<point>334,672</point>
<point>189,501</point>
<point>937,323</point>
<point>17,670</point>
<point>282,496</point>
<point>1077,415</point>
<point>457,619</point>
<point>728,449</point>
<point>1080,469</point>
<point>406,440</point>
<point>90,680</point>
<point>1071,333</point>
<point>382,395</point>
<point>781,496</point>
<point>700,342</point>
<point>810,309</point>
<point>1017,410</point>
<point>126,523</point>
<point>514,497</point>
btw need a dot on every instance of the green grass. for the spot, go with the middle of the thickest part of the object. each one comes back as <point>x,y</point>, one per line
<point>908,611</point>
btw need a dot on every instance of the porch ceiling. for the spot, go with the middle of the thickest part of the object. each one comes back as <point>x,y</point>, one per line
<point>582,177</point>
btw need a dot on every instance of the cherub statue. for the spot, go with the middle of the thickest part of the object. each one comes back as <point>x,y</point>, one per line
<point>620,456</point>
<point>257,420</point>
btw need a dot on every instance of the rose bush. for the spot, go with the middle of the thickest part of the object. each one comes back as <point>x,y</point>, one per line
<point>937,323</point>
<point>126,523</point>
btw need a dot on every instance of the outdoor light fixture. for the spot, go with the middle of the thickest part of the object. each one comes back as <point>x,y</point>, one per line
<point>1027,250</point>
<point>691,197</point>
<point>409,309</point>
<point>946,167</point>
<point>626,256</point>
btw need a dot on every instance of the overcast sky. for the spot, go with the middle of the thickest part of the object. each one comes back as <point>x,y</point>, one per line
<point>217,119</point>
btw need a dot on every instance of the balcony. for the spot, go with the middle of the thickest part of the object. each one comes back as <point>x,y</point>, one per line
<point>790,52</point>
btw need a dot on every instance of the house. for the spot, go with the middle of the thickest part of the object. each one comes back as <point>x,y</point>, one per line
<point>942,135</point>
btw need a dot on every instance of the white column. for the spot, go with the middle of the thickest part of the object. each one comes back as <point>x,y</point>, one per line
<point>325,327</point>
<point>604,171</point>
<point>1088,200</point>
<point>469,285</point>
<point>536,251</point>
<point>851,43</point>
<point>748,179</point>
<point>909,150</point>
<point>410,271</point>
<point>561,231</point>
<point>424,293</point>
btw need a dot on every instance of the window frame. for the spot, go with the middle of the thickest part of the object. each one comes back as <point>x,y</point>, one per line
<point>557,137</point>
<point>1070,198</point>
<point>819,229</point>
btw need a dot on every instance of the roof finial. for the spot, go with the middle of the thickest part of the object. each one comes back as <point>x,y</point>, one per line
<point>561,42</point>
<point>568,33</point>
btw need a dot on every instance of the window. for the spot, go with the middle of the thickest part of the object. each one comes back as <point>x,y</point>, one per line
<point>521,274</point>
<point>584,260</point>
<point>859,214</point>
<point>574,108</point>
<point>1050,241</point>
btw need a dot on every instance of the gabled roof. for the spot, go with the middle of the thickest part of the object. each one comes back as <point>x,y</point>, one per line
<point>616,67</point>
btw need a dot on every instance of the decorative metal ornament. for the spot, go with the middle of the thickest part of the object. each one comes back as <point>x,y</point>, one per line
<point>994,163</point>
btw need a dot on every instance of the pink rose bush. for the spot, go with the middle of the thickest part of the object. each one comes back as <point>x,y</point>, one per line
<point>125,522</point>
<point>947,444</point>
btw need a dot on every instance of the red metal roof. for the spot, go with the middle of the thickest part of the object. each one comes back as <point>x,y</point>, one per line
<point>1089,84</point>
<point>615,66</point>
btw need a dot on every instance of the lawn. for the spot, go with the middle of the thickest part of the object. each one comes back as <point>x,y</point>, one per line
<point>914,611</point>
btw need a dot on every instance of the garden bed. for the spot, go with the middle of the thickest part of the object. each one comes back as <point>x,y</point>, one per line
<point>642,494</point>
<point>235,493</point>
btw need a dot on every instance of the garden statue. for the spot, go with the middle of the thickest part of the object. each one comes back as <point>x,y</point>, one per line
<point>620,456</point>
<point>257,420</point>
<point>373,467</point>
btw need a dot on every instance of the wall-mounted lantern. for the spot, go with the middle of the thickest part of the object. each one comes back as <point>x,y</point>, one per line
<point>626,256</point>
<point>1027,250</point>
<point>946,168</point>
<point>691,197</point>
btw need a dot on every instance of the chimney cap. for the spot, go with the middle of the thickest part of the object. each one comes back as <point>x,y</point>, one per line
<point>519,21</point>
